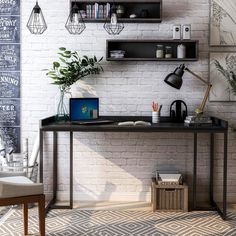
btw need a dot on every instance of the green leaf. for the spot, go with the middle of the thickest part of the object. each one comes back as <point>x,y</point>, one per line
<point>63,55</point>
<point>56,64</point>
<point>67,52</point>
<point>84,62</point>
<point>62,49</point>
<point>63,60</point>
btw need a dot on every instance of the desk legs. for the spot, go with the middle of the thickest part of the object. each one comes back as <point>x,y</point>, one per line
<point>51,204</point>
<point>71,170</point>
<point>225,176</point>
<point>212,149</point>
<point>41,156</point>
<point>55,165</point>
<point>194,170</point>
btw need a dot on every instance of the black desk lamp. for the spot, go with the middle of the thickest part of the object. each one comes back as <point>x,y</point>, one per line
<point>175,80</point>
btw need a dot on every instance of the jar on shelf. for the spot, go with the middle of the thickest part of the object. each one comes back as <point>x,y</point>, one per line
<point>168,52</point>
<point>160,51</point>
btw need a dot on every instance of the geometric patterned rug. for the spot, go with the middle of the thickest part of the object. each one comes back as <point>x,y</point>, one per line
<point>121,223</point>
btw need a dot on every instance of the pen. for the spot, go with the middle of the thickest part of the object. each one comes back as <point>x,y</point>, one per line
<point>160,109</point>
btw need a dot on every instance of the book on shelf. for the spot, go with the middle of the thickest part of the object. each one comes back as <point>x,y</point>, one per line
<point>100,11</point>
<point>96,11</point>
<point>89,11</point>
<point>107,9</point>
<point>134,123</point>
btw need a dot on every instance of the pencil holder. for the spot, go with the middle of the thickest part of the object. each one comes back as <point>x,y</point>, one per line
<point>155,117</point>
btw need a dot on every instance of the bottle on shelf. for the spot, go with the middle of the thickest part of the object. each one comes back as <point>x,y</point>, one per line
<point>168,52</point>
<point>160,51</point>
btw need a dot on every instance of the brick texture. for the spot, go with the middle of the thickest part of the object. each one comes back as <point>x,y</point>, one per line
<point>119,166</point>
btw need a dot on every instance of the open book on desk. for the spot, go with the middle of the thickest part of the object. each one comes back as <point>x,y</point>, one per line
<point>134,123</point>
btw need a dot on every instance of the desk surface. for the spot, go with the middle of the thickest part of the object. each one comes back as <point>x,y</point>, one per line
<point>166,125</point>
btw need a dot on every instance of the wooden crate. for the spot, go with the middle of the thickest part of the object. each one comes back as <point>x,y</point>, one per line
<point>169,198</point>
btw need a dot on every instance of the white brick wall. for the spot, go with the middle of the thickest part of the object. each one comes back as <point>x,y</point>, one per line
<point>118,166</point>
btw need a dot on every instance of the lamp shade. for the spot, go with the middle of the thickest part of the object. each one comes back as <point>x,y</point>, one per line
<point>112,24</point>
<point>36,23</point>
<point>75,23</point>
<point>175,79</point>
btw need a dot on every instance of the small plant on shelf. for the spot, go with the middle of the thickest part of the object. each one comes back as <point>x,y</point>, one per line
<point>70,69</point>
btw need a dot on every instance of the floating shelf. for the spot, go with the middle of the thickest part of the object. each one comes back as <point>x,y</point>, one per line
<point>152,7</point>
<point>145,50</point>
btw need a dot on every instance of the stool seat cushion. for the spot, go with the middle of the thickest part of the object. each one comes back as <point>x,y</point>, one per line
<point>18,186</point>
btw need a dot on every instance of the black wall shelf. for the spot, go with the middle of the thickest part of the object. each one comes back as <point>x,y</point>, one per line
<point>153,7</point>
<point>145,50</point>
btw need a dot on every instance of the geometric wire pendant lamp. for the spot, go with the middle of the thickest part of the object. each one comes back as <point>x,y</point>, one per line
<point>112,24</point>
<point>36,23</point>
<point>75,23</point>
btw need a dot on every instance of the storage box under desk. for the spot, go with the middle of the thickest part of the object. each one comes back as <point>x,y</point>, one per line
<point>169,197</point>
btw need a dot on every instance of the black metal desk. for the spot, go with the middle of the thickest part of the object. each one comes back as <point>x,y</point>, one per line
<point>218,126</point>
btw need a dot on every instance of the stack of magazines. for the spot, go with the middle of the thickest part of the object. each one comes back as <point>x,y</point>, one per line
<point>198,120</point>
<point>117,53</point>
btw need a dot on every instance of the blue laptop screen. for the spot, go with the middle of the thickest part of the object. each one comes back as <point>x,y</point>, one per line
<point>84,109</point>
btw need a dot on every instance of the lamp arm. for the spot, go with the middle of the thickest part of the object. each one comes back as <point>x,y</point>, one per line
<point>200,109</point>
<point>197,76</point>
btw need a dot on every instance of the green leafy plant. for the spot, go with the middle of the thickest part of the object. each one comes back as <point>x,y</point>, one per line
<point>72,68</point>
<point>228,73</point>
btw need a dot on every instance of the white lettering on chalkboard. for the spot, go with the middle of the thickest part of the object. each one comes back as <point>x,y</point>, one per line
<point>7,108</point>
<point>6,22</point>
<point>9,80</point>
<point>9,2</point>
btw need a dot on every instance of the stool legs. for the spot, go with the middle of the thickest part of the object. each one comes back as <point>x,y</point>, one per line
<point>25,211</point>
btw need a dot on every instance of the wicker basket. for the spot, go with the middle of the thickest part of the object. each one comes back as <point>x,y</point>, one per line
<point>169,197</point>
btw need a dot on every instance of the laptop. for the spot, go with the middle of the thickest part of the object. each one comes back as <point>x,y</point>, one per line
<point>85,111</point>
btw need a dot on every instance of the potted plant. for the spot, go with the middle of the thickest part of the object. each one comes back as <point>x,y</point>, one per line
<point>69,70</point>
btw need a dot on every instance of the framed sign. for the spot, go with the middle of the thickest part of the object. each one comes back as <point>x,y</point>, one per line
<point>9,112</point>
<point>10,84</point>
<point>9,57</point>
<point>222,23</point>
<point>10,137</point>
<point>221,86</point>
<point>10,7</point>
<point>10,29</point>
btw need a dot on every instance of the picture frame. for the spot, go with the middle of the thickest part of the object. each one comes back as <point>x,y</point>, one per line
<point>222,23</point>
<point>221,89</point>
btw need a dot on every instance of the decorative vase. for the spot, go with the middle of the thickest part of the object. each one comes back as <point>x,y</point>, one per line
<point>62,112</point>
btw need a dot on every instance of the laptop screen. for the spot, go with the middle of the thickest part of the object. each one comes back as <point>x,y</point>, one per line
<point>84,109</point>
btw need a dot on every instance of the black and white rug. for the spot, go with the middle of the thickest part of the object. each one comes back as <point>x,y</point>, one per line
<point>120,223</point>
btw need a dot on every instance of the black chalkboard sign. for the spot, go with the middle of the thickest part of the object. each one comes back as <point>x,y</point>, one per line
<point>9,57</point>
<point>11,138</point>
<point>9,7</point>
<point>10,74</point>
<point>9,112</point>
<point>10,29</point>
<point>9,84</point>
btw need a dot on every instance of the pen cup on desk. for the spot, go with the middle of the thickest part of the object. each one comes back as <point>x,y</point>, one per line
<point>155,117</point>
